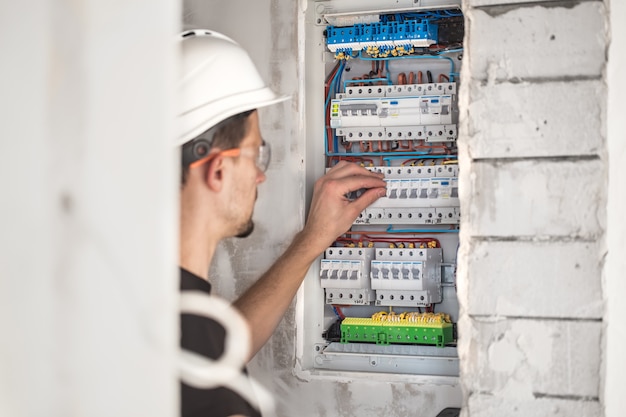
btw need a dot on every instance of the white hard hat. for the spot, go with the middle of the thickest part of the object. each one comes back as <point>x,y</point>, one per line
<point>217,80</point>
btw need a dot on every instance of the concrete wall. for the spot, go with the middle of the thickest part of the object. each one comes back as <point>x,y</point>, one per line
<point>88,311</point>
<point>534,198</point>
<point>614,282</point>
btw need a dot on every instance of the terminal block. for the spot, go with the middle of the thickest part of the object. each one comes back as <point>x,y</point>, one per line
<point>428,329</point>
<point>382,36</point>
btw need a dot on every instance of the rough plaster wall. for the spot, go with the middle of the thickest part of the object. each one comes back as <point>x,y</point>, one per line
<point>534,195</point>
<point>267,30</point>
<point>279,208</point>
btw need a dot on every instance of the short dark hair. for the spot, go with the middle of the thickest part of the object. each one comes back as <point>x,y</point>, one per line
<point>227,134</point>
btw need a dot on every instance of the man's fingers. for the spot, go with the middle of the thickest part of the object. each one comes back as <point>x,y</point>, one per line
<point>357,182</point>
<point>367,198</point>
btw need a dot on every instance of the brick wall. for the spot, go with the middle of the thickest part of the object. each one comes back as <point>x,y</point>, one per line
<point>533,199</point>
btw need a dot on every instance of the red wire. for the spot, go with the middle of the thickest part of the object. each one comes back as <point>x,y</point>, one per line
<point>329,79</point>
<point>366,237</point>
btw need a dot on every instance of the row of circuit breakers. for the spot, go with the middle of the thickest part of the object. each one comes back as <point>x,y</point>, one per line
<point>404,277</point>
<point>398,112</point>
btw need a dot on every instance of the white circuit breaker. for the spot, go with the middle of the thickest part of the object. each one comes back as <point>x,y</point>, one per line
<point>345,275</point>
<point>407,277</point>
<point>385,96</point>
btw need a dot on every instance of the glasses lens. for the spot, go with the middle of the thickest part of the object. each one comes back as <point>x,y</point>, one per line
<point>265,154</point>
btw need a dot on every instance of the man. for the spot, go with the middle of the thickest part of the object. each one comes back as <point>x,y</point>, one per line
<point>224,159</point>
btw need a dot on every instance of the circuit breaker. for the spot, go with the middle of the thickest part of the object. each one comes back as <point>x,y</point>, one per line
<point>382,92</point>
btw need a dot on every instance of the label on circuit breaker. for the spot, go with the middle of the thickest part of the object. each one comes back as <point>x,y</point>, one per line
<point>403,90</point>
<point>383,112</point>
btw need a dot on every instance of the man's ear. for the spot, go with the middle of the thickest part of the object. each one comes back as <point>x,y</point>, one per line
<point>214,174</point>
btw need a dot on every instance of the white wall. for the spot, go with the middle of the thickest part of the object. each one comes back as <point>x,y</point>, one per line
<point>88,209</point>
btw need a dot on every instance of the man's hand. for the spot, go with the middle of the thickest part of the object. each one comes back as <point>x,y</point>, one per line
<point>332,213</point>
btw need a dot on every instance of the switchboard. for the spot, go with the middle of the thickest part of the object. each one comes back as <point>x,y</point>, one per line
<point>385,96</point>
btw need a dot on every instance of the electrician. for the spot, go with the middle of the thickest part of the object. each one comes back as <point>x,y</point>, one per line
<point>224,158</point>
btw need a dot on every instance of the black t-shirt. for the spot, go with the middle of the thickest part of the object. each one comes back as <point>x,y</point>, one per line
<point>206,337</point>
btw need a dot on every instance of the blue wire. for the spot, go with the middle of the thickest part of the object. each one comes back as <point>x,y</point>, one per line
<point>337,77</point>
<point>332,86</point>
<point>430,157</point>
<point>408,154</point>
<point>325,129</point>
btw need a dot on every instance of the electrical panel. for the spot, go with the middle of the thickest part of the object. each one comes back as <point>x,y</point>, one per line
<point>385,96</point>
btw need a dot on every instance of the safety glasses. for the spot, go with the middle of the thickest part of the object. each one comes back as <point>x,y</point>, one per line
<point>261,157</point>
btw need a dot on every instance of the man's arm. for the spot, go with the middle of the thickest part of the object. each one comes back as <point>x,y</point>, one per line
<point>331,214</point>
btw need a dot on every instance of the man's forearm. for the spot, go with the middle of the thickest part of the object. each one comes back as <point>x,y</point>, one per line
<point>330,215</point>
<point>264,304</point>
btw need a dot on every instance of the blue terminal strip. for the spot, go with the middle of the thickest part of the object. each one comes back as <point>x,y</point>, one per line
<point>385,36</point>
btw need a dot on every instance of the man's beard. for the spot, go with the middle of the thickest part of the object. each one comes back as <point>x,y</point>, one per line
<point>246,230</point>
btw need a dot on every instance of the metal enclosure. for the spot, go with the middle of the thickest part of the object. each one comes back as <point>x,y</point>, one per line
<point>354,113</point>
